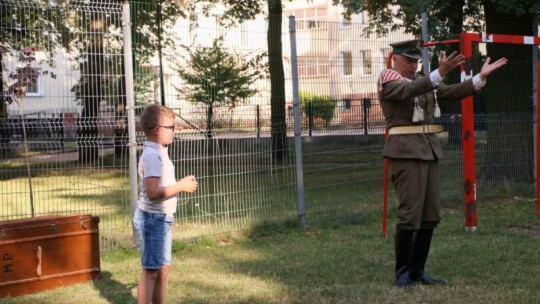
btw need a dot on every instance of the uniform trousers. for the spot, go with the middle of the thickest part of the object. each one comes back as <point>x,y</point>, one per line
<point>417,185</point>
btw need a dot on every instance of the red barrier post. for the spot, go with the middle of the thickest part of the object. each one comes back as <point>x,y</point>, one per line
<point>385,198</point>
<point>385,172</point>
<point>467,138</point>
<point>537,140</point>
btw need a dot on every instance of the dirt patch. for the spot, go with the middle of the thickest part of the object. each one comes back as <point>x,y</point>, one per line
<point>533,230</point>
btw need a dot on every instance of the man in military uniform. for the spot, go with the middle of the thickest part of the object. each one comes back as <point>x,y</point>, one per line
<point>409,104</point>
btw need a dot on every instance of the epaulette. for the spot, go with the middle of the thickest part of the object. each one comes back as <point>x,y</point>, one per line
<point>388,75</point>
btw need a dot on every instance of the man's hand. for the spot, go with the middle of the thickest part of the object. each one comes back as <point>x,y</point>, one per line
<point>488,68</point>
<point>447,64</point>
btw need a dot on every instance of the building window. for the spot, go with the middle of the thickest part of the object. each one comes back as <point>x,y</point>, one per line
<point>365,62</point>
<point>346,104</point>
<point>310,18</point>
<point>385,53</point>
<point>312,66</point>
<point>346,63</point>
<point>33,88</point>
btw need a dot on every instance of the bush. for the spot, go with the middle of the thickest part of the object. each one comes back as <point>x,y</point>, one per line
<point>322,107</point>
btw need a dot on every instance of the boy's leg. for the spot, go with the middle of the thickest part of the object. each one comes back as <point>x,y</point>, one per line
<point>160,288</point>
<point>146,286</point>
<point>155,254</point>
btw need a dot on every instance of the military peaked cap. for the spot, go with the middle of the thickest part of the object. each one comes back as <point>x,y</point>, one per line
<point>409,48</point>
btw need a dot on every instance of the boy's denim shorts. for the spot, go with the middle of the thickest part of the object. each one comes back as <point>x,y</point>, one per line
<point>154,230</point>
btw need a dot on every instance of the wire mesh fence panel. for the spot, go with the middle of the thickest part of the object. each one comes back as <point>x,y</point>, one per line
<point>60,149</point>
<point>342,122</point>
<point>64,133</point>
<point>504,126</point>
<point>225,135</point>
<point>240,186</point>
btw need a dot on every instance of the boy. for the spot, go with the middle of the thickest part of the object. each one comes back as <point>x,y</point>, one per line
<point>153,217</point>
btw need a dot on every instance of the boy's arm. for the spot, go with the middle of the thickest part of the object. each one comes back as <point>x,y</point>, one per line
<point>155,192</point>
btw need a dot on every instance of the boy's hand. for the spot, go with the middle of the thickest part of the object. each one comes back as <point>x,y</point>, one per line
<point>189,183</point>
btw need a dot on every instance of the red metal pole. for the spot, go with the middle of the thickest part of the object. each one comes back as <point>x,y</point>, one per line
<point>433,43</point>
<point>385,172</point>
<point>537,140</point>
<point>470,180</point>
<point>385,198</point>
<point>467,139</point>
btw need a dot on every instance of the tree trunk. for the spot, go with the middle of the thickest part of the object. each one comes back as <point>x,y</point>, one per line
<point>210,121</point>
<point>121,137</point>
<point>508,95</point>
<point>277,79</point>
<point>5,133</point>
<point>91,73</point>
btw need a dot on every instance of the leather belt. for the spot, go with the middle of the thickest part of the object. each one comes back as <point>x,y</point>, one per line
<point>415,129</point>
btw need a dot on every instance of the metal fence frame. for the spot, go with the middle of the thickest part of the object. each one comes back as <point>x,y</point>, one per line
<point>333,170</point>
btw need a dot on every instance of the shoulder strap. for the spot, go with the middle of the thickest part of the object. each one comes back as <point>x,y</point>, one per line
<point>388,75</point>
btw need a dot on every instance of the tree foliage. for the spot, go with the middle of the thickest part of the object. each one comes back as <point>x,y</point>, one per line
<point>217,77</point>
<point>230,12</point>
<point>446,18</point>
<point>18,23</point>
<point>20,19</point>
<point>236,12</point>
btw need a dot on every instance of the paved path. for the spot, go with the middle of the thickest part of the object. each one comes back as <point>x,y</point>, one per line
<point>68,155</point>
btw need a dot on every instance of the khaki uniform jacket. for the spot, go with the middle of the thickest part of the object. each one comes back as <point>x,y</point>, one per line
<point>397,101</point>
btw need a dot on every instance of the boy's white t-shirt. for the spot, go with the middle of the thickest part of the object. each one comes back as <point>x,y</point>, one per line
<point>155,162</point>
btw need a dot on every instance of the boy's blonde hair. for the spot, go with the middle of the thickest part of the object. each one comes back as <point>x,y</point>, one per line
<point>152,114</point>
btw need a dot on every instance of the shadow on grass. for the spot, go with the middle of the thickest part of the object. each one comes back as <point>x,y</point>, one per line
<point>114,291</point>
<point>317,265</point>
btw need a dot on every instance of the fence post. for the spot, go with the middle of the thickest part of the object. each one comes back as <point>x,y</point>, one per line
<point>310,117</point>
<point>258,119</point>
<point>425,54</point>
<point>297,129</point>
<point>366,104</point>
<point>130,108</point>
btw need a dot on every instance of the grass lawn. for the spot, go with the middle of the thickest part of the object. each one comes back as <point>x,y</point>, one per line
<point>341,263</point>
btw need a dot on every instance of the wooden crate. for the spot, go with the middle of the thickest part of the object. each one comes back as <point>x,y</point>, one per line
<point>47,252</point>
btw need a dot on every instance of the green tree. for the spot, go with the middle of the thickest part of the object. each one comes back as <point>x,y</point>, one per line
<point>21,79</point>
<point>151,34</point>
<point>92,43</point>
<point>238,11</point>
<point>449,18</point>
<point>216,77</point>
<point>18,20</point>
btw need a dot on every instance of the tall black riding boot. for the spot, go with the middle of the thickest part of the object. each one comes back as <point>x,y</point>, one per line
<point>403,249</point>
<point>422,243</point>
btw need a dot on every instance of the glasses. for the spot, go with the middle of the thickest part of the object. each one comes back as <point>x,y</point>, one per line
<point>166,127</point>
